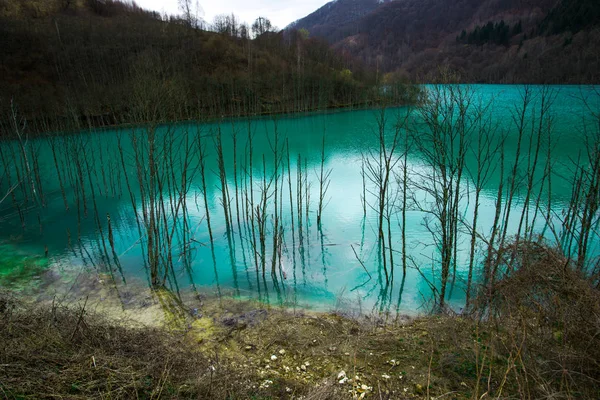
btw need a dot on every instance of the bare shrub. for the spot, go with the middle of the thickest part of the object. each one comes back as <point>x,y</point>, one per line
<point>548,311</point>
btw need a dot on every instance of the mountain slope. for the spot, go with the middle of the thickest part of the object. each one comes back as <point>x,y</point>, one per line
<point>412,38</point>
<point>336,18</point>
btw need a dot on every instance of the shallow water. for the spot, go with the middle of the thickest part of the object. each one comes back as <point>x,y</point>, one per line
<point>322,271</point>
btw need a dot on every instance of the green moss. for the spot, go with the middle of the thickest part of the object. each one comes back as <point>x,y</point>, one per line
<point>18,270</point>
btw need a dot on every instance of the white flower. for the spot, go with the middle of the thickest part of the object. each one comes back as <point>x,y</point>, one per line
<point>385,376</point>
<point>273,357</point>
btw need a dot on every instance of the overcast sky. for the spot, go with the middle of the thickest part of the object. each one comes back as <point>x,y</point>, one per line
<point>280,12</point>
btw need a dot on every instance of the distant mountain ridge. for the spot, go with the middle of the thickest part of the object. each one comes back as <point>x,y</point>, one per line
<point>327,20</point>
<point>546,40</point>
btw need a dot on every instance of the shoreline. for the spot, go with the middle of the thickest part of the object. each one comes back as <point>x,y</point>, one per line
<point>88,122</point>
<point>272,352</point>
<point>151,344</point>
<point>136,299</point>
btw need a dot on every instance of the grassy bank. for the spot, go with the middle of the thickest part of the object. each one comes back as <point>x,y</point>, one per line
<point>539,346</point>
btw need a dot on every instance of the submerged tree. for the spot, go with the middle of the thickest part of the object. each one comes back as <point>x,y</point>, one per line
<point>448,118</point>
<point>324,182</point>
<point>581,219</point>
<point>379,166</point>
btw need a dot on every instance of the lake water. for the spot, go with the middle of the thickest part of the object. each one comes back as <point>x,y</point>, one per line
<point>336,265</point>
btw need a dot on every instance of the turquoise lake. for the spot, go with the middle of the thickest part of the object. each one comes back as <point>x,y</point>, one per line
<point>333,266</point>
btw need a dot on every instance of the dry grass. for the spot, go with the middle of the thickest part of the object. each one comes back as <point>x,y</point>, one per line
<point>66,353</point>
<point>539,341</point>
<point>59,352</point>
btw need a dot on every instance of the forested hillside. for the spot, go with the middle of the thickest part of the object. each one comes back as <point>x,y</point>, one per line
<point>572,16</point>
<point>552,41</point>
<point>99,60</point>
